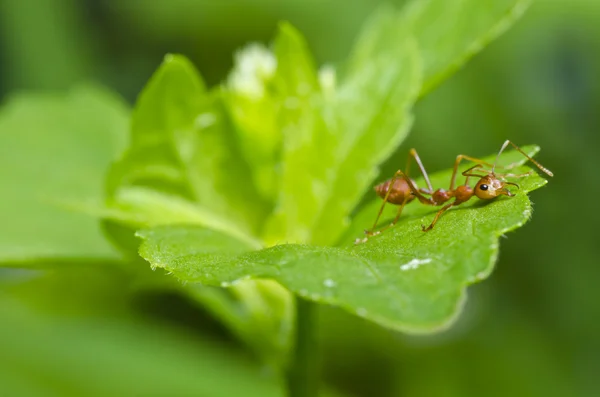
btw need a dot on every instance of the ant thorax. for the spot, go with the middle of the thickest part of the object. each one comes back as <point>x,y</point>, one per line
<point>463,193</point>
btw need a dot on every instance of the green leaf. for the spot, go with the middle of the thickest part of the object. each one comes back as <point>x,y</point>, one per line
<point>55,148</point>
<point>404,279</point>
<point>448,33</point>
<point>182,147</point>
<point>336,137</point>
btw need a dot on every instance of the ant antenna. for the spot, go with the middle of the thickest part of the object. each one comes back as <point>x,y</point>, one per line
<point>506,143</point>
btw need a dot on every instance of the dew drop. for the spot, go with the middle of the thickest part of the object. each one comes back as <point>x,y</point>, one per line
<point>415,263</point>
<point>329,283</point>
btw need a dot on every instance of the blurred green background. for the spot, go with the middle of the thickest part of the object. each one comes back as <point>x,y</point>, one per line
<point>93,328</point>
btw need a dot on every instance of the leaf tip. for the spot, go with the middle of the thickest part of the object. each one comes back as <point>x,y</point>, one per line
<point>287,27</point>
<point>288,32</point>
<point>174,58</point>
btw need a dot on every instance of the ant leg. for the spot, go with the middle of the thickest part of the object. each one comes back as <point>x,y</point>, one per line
<point>385,199</point>
<point>437,216</point>
<point>461,157</point>
<point>413,153</point>
<point>475,168</point>
<point>395,219</point>
<point>506,143</point>
<point>418,192</point>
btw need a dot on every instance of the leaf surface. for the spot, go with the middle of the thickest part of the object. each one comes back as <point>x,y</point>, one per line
<point>404,279</point>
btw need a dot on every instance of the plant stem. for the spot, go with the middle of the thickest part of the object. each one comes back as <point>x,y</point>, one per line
<point>303,372</point>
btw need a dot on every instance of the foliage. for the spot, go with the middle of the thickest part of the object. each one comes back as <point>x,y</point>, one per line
<point>260,179</point>
<point>192,161</point>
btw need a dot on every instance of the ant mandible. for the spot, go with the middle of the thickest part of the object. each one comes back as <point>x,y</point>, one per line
<point>401,189</point>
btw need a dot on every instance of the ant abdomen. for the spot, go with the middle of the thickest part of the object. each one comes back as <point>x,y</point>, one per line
<point>399,193</point>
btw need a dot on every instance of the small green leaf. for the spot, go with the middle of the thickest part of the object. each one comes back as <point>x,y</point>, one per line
<point>55,148</point>
<point>448,33</point>
<point>182,145</point>
<point>296,70</point>
<point>404,279</point>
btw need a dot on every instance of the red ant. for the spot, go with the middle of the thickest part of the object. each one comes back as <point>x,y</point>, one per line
<point>404,190</point>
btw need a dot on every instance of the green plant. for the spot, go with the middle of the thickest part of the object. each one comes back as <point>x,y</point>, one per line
<point>255,186</point>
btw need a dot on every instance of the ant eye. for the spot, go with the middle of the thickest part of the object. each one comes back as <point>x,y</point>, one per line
<point>483,187</point>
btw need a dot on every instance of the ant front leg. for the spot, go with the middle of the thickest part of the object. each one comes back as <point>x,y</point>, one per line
<point>460,158</point>
<point>470,172</point>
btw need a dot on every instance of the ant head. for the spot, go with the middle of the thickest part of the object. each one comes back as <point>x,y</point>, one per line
<point>490,187</point>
